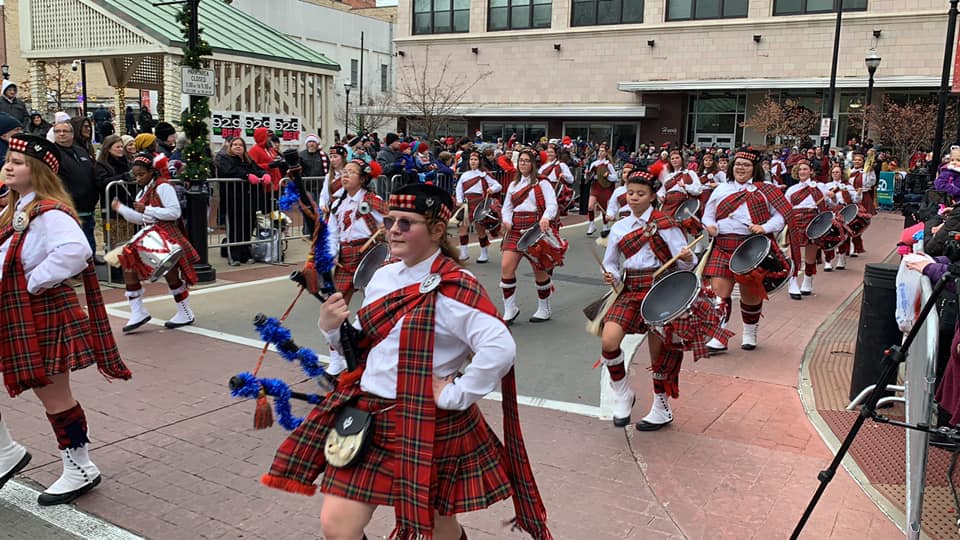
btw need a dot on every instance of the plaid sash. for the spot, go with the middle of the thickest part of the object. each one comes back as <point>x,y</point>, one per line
<point>519,197</point>
<point>806,191</point>
<point>468,184</point>
<point>300,460</point>
<point>20,356</point>
<point>632,243</point>
<point>756,205</point>
<point>856,178</point>
<point>678,178</point>
<point>847,197</point>
<point>776,198</point>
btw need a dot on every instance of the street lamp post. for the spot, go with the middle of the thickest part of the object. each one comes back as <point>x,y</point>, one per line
<point>828,115</point>
<point>346,121</point>
<point>82,64</point>
<point>873,62</point>
<point>944,88</point>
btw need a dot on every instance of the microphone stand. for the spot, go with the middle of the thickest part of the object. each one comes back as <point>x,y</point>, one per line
<point>890,364</point>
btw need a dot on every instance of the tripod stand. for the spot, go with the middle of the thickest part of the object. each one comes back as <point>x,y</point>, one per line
<point>890,363</point>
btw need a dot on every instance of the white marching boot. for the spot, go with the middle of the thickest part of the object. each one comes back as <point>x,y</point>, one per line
<point>542,314</point>
<point>660,414</point>
<point>794,288</point>
<point>592,228</point>
<point>510,309</point>
<point>841,262</point>
<point>484,255</point>
<point>806,288</point>
<point>139,315</point>
<point>623,400</point>
<point>463,253</point>
<point>184,314</point>
<point>13,456</point>
<point>79,476</point>
<point>827,267</point>
<point>605,232</point>
<point>749,341</point>
<point>715,346</point>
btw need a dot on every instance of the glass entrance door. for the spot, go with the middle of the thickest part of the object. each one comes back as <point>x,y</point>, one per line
<point>715,140</point>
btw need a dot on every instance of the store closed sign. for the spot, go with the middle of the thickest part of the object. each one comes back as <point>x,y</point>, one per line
<point>198,82</point>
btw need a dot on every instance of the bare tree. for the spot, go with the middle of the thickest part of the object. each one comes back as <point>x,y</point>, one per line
<point>901,129</point>
<point>378,112</point>
<point>788,120</point>
<point>431,93</point>
<point>61,85</point>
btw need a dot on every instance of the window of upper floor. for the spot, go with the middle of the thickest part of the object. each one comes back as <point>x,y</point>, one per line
<point>593,12</point>
<point>800,7</point>
<point>441,16</point>
<point>688,10</point>
<point>519,14</point>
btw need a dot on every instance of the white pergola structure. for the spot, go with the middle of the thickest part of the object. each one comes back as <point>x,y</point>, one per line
<point>258,69</point>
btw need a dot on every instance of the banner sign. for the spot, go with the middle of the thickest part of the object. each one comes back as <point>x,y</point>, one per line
<point>225,124</point>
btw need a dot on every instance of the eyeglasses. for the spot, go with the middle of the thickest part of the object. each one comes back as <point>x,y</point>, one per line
<point>63,131</point>
<point>403,224</point>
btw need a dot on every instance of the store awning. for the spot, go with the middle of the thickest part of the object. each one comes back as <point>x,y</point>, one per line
<point>766,84</point>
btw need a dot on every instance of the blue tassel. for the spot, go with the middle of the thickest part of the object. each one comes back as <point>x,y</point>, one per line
<point>290,197</point>
<point>274,333</point>
<point>281,397</point>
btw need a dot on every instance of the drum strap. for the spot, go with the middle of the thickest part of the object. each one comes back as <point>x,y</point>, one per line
<point>756,205</point>
<point>806,191</point>
<point>680,177</point>
<point>632,243</point>
<point>519,197</point>
<point>468,185</point>
<point>856,178</point>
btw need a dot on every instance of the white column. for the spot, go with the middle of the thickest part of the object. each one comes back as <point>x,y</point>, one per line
<point>38,85</point>
<point>171,89</point>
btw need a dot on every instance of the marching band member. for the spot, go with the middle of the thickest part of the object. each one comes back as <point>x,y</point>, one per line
<point>604,178</point>
<point>709,179</point>
<point>355,216</point>
<point>473,187</point>
<point>158,207</point>
<point>434,346</point>
<point>530,202</point>
<point>863,181</point>
<point>560,177</point>
<point>808,198</point>
<point>841,194</point>
<point>722,175</point>
<point>617,207</point>
<point>47,334</point>
<point>334,183</point>
<point>643,254</point>
<point>735,211</point>
<point>777,170</point>
<point>680,185</point>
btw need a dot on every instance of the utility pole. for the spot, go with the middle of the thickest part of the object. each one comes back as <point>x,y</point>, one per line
<point>944,89</point>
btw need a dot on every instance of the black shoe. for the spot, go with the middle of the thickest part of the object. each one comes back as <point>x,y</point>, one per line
<point>171,325</point>
<point>795,296</point>
<point>604,233</point>
<point>16,468</point>
<point>131,327</point>
<point>806,293</point>
<point>643,425</point>
<point>624,422</point>
<point>854,255</point>
<point>748,347</point>
<point>46,499</point>
<point>828,269</point>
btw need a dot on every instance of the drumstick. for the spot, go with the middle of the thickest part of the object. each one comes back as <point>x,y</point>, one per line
<point>675,258</point>
<point>596,257</point>
<point>370,241</point>
<point>703,260</point>
<point>462,208</point>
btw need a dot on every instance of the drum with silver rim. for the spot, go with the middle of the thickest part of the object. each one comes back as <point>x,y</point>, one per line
<point>826,231</point>
<point>544,249</point>
<point>372,260</point>
<point>157,252</point>
<point>756,254</point>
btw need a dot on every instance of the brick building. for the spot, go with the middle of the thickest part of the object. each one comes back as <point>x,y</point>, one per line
<point>632,71</point>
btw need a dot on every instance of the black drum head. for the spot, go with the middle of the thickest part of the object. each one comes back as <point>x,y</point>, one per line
<point>749,254</point>
<point>669,298</point>
<point>687,209</point>
<point>480,211</point>
<point>820,225</point>
<point>849,213</point>
<point>372,260</point>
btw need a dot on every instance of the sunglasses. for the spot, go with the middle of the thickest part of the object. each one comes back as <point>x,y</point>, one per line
<point>403,224</point>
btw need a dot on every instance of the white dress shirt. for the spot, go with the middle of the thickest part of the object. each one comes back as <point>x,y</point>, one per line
<point>613,205</point>
<point>325,190</point>
<point>54,248</point>
<point>739,221</point>
<point>477,188</point>
<point>170,211</point>
<point>839,188</point>
<point>458,331</point>
<point>808,201</point>
<point>720,177</point>
<point>694,188</point>
<point>530,203</point>
<point>337,231</point>
<point>869,177</point>
<point>564,172</point>
<point>645,259</point>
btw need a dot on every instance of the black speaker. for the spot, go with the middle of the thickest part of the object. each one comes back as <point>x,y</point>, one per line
<point>878,328</point>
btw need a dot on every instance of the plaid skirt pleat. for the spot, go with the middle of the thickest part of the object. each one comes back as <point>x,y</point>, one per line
<point>468,473</point>
<point>350,256</point>
<point>62,330</point>
<point>625,311</point>
<point>672,201</point>
<point>602,194</point>
<point>521,222</point>
<point>797,230</point>
<point>718,265</point>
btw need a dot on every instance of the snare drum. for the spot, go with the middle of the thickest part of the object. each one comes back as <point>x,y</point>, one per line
<point>487,215</point>
<point>686,216</point>
<point>151,253</point>
<point>683,313</point>
<point>757,262</point>
<point>856,219</point>
<point>372,260</point>
<point>545,250</point>
<point>827,231</point>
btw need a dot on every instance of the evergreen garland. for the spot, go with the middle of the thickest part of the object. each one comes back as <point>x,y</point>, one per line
<point>193,120</point>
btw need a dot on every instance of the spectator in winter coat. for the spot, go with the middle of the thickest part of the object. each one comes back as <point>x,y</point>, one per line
<point>83,133</point>
<point>313,159</point>
<point>166,138</point>
<point>389,154</point>
<point>8,128</point>
<point>11,104</point>
<point>234,162</point>
<point>37,125</point>
<point>58,117</point>
<point>130,122</point>
<point>265,156</point>
<point>77,173</point>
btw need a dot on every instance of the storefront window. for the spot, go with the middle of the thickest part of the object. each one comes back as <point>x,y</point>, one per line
<point>525,132</point>
<point>614,134</point>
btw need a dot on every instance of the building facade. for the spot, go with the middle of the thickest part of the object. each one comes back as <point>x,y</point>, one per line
<point>336,31</point>
<point>634,71</point>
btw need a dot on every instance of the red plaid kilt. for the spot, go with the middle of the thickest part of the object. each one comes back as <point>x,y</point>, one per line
<point>468,472</point>
<point>601,193</point>
<point>672,201</point>
<point>521,222</point>
<point>718,265</point>
<point>799,221</point>
<point>625,311</point>
<point>62,330</point>
<point>350,256</point>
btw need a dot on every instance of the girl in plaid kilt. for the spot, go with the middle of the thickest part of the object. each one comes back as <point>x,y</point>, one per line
<point>864,181</point>
<point>530,202</point>
<point>432,455</point>
<point>736,210</point>
<point>561,178</point>
<point>473,187</point>
<point>680,185</point>
<point>354,217</point>
<point>645,240</point>
<point>841,193</point>
<point>157,207</point>
<point>808,198</point>
<point>47,334</point>
<point>603,177</point>
<point>333,183</point>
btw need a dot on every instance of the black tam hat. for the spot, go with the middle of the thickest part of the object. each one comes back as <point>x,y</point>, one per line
<point>37,147</point>
<point>424,199</point>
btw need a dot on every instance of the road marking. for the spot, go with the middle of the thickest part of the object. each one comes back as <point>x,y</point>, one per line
<point>66,517</point>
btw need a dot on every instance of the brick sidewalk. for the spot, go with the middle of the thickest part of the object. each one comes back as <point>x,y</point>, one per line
<point>180,459</point>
